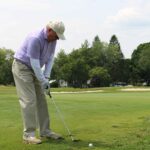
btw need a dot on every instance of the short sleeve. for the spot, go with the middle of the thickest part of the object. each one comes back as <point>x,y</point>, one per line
<point>33,48</point>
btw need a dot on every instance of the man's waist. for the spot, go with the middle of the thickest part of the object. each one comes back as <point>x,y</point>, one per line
<point>23,62</point>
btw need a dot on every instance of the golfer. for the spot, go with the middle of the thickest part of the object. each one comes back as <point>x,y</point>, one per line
<point>37,51</point>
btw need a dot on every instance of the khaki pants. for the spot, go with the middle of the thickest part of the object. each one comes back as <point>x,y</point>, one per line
<point>32,100</point>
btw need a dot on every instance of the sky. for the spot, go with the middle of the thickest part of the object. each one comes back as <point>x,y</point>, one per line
<point>129,20</point>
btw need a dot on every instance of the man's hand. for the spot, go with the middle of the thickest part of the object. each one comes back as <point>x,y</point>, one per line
<point>46,86</point>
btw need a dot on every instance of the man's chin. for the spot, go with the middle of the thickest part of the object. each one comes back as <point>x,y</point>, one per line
<point>50,40</point>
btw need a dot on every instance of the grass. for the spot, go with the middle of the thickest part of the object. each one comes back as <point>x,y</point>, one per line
<point>111,120</point>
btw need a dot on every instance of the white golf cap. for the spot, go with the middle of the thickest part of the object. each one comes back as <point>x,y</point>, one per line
<point>58,27</point>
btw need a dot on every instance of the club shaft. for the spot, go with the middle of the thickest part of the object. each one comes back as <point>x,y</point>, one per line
<point>61,117</point>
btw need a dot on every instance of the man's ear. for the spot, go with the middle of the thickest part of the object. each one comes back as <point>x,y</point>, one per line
<point>49,29</point>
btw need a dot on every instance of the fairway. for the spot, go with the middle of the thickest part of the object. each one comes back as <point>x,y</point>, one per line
<point>110,120</point>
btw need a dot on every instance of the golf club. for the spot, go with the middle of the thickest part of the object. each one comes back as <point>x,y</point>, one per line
<point>61,118</point>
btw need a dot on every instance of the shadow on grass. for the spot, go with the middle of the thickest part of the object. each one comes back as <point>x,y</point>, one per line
<point>82,144</point>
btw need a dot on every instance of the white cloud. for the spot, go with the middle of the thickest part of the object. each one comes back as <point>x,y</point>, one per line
<point>123,15</point>
<point>131,24</point>
<point>136,15</point>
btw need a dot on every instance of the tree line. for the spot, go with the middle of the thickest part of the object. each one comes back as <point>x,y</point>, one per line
<point>99,65</point>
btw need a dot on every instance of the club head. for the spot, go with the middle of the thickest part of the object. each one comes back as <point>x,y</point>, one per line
<point>76,140</point>
<point>73,139</point>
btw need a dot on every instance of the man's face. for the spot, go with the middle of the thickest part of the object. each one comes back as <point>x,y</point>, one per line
<point>51,35</point>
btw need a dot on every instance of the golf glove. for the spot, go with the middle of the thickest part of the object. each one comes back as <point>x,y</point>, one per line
<point>45,84</point>
<point>46,87</point>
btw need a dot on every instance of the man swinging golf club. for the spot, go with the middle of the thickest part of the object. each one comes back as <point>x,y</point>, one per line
<point>36,51</point>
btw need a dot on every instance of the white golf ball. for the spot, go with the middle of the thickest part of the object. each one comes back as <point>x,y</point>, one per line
<point>90,145</point>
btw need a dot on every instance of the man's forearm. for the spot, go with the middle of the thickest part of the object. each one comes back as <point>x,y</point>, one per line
<point>35,64</point>
<point>48,67</point>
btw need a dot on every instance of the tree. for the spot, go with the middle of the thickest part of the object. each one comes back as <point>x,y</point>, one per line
<point>126,70</point>
<point>135,71</point>
<point>141,64</point>
<point>85,45</point>
<point>114,59</point>
<point>71,68</point>
<point>98,52</point>
<point>114,51</point>
<point>144,63</point>
<point>6,59</point>
<point>79,70</point>
<point>60,70</point>
<point>99,77</point>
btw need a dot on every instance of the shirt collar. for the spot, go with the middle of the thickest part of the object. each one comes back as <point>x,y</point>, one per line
<point>45,33</point>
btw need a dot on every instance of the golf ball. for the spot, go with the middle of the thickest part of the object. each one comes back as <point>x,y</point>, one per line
<point>90,145</point>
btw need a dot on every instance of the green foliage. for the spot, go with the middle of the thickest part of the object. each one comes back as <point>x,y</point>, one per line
<point>61,66</point>
<point>75,67</point>
<point>79,70</point>
<point>141,63</point>
<point>126,69</point>
<point>6,59</point>
<point>144,61</point>
<point>99,77</point>
<point>144,64</point>
<point>85,45</point>
<point>98,52</point>
<point>115,46</point>
<point>115,43</point>
<point>115,60</point>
